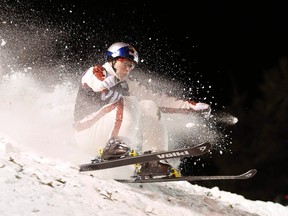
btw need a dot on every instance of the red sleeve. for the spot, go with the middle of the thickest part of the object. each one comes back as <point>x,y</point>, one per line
<point>192,102</point>
<point>98,72</point>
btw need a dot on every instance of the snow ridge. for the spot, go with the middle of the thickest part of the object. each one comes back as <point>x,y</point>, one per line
<point>35,185</point>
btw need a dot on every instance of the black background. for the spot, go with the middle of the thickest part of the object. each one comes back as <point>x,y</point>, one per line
<point>225,42</point>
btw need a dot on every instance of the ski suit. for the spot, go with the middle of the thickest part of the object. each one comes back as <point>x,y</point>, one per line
<point>116,112</point>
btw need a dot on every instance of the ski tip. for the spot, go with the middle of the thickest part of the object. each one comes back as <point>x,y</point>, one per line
<point>204,147</point>
<point>208,144</point>
<point>205,144</point>
<point>250,173</point>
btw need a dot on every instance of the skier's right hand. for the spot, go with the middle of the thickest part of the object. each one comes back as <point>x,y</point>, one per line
<point>109,82</point>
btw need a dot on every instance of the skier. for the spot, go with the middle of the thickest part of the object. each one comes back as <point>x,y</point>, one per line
<point>109,117</point>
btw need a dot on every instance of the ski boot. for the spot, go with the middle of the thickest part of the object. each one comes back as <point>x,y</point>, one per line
<point>155,169</point>
<point>114,149</point>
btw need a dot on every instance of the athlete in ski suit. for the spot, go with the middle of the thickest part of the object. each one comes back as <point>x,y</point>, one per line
<point>107,115</point>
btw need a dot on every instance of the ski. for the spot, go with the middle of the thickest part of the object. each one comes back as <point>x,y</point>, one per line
<point>246,175</point>
<point>178,153</point>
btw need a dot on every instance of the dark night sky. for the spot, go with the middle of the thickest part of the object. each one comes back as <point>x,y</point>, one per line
<point>222,41</point>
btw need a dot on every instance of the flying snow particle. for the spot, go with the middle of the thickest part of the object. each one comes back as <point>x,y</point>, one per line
<point>190,124</point>
<point>3,42</point>
<point>234,120</point>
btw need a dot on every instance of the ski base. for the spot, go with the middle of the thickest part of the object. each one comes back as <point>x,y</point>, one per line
<point>178,153</point>
<point>247,175</point>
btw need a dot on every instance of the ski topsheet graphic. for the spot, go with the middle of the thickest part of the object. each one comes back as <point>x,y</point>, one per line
<point>178,153</point>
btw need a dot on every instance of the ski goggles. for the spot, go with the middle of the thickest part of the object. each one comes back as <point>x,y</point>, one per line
<point>127,62</point>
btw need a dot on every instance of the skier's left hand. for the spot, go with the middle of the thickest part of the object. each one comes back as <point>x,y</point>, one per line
<point>203,108</point>
<point>207,112</point>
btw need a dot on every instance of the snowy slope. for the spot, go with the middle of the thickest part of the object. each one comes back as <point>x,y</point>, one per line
<point>35,185</point>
